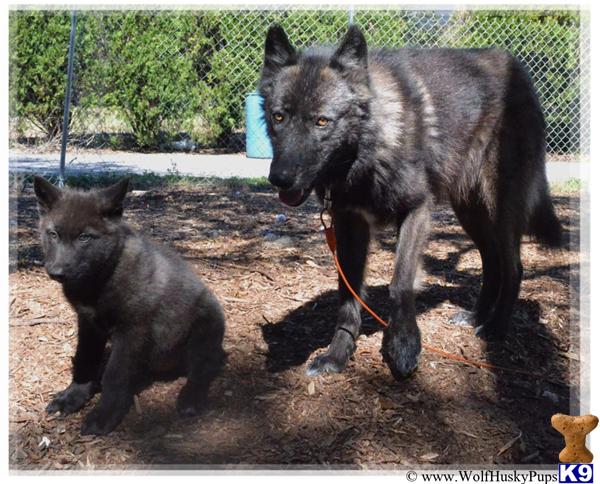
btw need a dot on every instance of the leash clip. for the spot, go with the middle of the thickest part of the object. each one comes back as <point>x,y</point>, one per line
<point>327,202</point>
<point>328,227</point>
<point>326,219</point>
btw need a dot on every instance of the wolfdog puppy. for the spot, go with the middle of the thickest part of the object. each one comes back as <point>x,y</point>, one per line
<point>160,319</point>
<point>386,133</point>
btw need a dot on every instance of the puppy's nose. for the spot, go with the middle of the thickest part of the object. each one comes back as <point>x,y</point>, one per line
<point>56,273</point>
<point>282,179</point>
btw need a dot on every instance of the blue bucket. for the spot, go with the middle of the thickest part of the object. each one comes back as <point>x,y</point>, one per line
<point>258,143</point>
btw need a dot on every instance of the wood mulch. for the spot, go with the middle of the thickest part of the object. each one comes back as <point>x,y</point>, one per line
<point>277,285</point>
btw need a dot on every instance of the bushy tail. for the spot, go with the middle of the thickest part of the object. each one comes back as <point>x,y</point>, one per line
<point>544,224</point>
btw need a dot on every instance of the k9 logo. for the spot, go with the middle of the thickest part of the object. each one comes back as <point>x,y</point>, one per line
<point>568,473</point>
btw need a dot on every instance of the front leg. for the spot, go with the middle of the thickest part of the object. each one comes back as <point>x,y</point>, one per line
<point>402,340</point>
<point>118,388</point>
<point>87,363</point>
<point>353,235</point>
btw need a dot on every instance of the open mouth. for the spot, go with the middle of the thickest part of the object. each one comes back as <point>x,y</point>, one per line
<point>293,198</point>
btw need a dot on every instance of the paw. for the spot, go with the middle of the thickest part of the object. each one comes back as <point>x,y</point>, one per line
<point>326,363</point>
<point>463,318</point>
<point>71,399</point>
<point>401,352</point>
<point>100,423</point>
<point>490,333</point>
<point>187,411</point>
<point>190,402</point>
<point>336,358</point>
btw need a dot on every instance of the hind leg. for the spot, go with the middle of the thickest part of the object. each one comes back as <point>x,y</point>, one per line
<point>475,220</point>
<point>205,359</point>
<point>497,323</point>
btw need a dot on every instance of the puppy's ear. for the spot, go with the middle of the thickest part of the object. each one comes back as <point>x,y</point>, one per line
<point>47,194</point>
<point>111,198</point>
<point>352,53</point>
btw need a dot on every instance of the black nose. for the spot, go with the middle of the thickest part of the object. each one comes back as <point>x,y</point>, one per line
<point>281,179</point>
<point>56,274</point>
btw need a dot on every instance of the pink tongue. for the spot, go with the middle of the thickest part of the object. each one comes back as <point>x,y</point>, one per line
<point>291,197</point>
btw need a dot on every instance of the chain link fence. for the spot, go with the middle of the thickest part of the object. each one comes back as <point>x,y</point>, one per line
<point>176,80</point>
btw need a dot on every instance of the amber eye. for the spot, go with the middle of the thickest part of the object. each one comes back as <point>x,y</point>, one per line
<point>322,121</point>
<point>278,117</point>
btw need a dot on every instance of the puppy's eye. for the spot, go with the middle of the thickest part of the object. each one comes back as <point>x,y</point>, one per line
<point>322,121</point>
<point>84,237</point>
<point>52,234</point>
<point>278,117</point>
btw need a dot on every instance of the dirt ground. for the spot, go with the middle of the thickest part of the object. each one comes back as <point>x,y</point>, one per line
<point>277,284</point>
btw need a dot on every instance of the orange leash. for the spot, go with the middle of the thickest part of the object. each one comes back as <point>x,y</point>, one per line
<point>331,242</point>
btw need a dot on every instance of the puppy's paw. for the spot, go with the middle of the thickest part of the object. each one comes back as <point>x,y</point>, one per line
<point>191,401</point>
<point>463,318</point>
<point>99,422</point>
<point>401,352</point>
<point>187,411</point>
<point>71,399</point>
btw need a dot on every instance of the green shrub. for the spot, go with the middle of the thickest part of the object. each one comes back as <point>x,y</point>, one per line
<point>166,73</point>
<point>39,46</point>
<point>152,79</point>
<point>38,43</point>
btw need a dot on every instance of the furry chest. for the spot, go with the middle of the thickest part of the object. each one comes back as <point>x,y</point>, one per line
<point>90,315</point>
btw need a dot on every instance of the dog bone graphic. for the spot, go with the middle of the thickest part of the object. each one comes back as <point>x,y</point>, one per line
<point>574,431</point>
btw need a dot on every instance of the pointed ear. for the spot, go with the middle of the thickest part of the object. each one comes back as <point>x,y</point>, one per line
<point>352,52</point>
<point>278,50</point>
<point>111,198</point>
<point>47,194</point>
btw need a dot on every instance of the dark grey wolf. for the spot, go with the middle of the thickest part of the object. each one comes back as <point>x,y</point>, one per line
<point>161,320</point>
<point>387,133</point>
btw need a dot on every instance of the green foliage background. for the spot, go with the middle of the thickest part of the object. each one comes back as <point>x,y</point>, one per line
<point>161,74</point>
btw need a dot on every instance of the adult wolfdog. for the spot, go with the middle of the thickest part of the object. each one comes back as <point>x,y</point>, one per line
<point>386,133</point>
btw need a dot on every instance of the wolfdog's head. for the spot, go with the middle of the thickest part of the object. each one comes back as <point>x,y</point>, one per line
<point>314,104</point>
<point>79,230</point>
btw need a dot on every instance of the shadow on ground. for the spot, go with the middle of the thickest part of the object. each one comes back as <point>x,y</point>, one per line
<point>281,310</point>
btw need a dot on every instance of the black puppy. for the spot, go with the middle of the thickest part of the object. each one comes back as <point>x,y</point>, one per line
<point>161,320</point>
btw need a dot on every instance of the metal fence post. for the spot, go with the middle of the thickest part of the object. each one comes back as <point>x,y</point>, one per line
<point>65,131</point>
<point>350,15</point>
